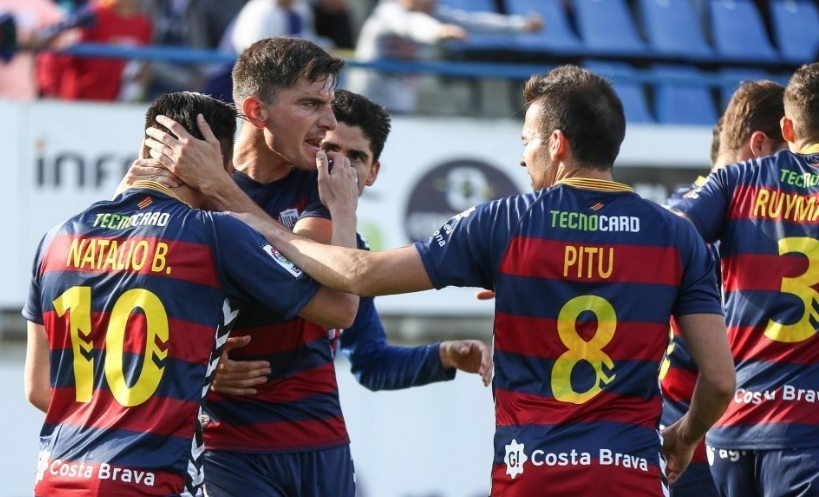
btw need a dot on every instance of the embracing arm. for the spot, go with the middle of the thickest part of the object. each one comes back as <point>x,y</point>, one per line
<point>37,376</point>
<point>706,337</point>
<point>378,365</point>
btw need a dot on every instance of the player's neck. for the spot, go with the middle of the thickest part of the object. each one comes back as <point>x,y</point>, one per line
<point>253,157</point>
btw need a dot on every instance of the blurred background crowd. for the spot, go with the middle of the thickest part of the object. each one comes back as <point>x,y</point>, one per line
<point>673,61</point>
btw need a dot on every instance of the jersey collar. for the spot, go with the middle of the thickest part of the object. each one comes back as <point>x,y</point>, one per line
<point>602,185</point>
<point>159,187</point>
<point>810,149</point>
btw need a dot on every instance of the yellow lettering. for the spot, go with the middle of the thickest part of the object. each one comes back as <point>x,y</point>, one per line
<point>158,263</point>
<point>88,256</point>
<point>77,246</point>
<point>569,259</point>
<point>762,198</point>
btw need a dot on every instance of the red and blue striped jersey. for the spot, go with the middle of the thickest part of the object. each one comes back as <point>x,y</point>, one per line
<point>678,372</point>
<point>137,296</point>
<point>298,408</point>
<point>764,213</point>
<point>586,276</point>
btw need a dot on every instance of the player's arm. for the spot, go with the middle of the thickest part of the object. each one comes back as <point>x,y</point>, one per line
<point>706,337</point>
<point>37,376</point>
<point>377,365</point>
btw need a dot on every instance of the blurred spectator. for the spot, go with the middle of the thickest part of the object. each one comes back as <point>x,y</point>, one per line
<point>410,30</point>
<point>169,18</point>
<point>261,19</point>
<point>24,21</point>
<point>332,20</point>
<point>257,20</point>
<point>117,22</point>
<point>207,21</point>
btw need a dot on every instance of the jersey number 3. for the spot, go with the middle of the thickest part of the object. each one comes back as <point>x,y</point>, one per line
<point>77,300</point>
<point>802,287</point>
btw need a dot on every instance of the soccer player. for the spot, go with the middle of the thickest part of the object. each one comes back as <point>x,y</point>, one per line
<point>362,130</point>
<point>763,213</point>
<point>289,438</point>
<point>130,303</point>
<point>586,276</point>
<point>749,128</point>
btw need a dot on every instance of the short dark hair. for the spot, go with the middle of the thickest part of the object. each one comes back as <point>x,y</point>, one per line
<point>271,64</point>
<point>754,106</point>
<point>353,109</point>
<point>802,101</point>
<point>585,107</point>
<point>183,107</point>
<point>716,131</point>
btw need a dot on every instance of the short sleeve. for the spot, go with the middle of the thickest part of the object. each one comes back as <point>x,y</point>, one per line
<point>255,272</point>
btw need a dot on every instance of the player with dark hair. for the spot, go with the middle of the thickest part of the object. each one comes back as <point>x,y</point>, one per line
<point>362,130</point>
<point>749,128</point>
<point>763,213</point>
<point>586,276</point>
<point>130,304</point>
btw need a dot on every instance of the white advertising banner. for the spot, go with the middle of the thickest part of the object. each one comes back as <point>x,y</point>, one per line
<point>64,156</point>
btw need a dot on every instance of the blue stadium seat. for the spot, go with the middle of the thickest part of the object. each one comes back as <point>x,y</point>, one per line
<point>473,5</point>
<point>796,29</point>
<point>631,93</point>
<point>735,76</point>
<point>557,35</point>
<point>478,43</point>
<point>738,32</point>
<point>607,27</point>
<point>681,98</point>
<point>673,29</point>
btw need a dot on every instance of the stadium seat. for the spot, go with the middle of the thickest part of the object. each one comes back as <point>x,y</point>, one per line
<point>473,5</point>
<point>796,29</point>
<point>735,76</point>
<point>631,93</point>
<point>608,28</point>
<point>681,98</point>
<point>738,32</point>
<point>479,45</point>
<point>673,29</point>
<point>557,36</point>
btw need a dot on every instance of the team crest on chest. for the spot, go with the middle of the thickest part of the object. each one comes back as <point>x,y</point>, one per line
<point>288,217</point>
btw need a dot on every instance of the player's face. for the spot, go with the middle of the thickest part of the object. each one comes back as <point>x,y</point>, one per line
<point>297,121</point>
<point>351,142</point>
<point>536,158</point>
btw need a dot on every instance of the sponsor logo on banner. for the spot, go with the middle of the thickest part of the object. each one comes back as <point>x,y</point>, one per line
<point>450,188</point>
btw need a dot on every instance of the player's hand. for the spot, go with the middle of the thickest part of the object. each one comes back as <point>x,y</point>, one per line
<point>472,356</point>
<point>150,170</point>
<point>196,162</point>
<point>677,450</point>
<point>485,295</point>
<point>338,188</point>
<point>238,377</point>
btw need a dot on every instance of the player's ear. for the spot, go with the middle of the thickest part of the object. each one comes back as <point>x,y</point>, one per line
<point>373,174</point>
<point>787,129</point>
<point>558,145</point>
<point>255,111</point>
<point>757,143</point>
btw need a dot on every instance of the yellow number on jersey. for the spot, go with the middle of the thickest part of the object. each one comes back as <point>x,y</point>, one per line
<point>802,287</point>
<point>581,350</point>
<point>77,300</point>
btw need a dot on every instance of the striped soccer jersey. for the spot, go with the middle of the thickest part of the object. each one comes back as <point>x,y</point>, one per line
<point>137,296</point>
<point>298,408</point>
<point>587,275</point>
<point>678,372</point>
<point>764,214</point>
